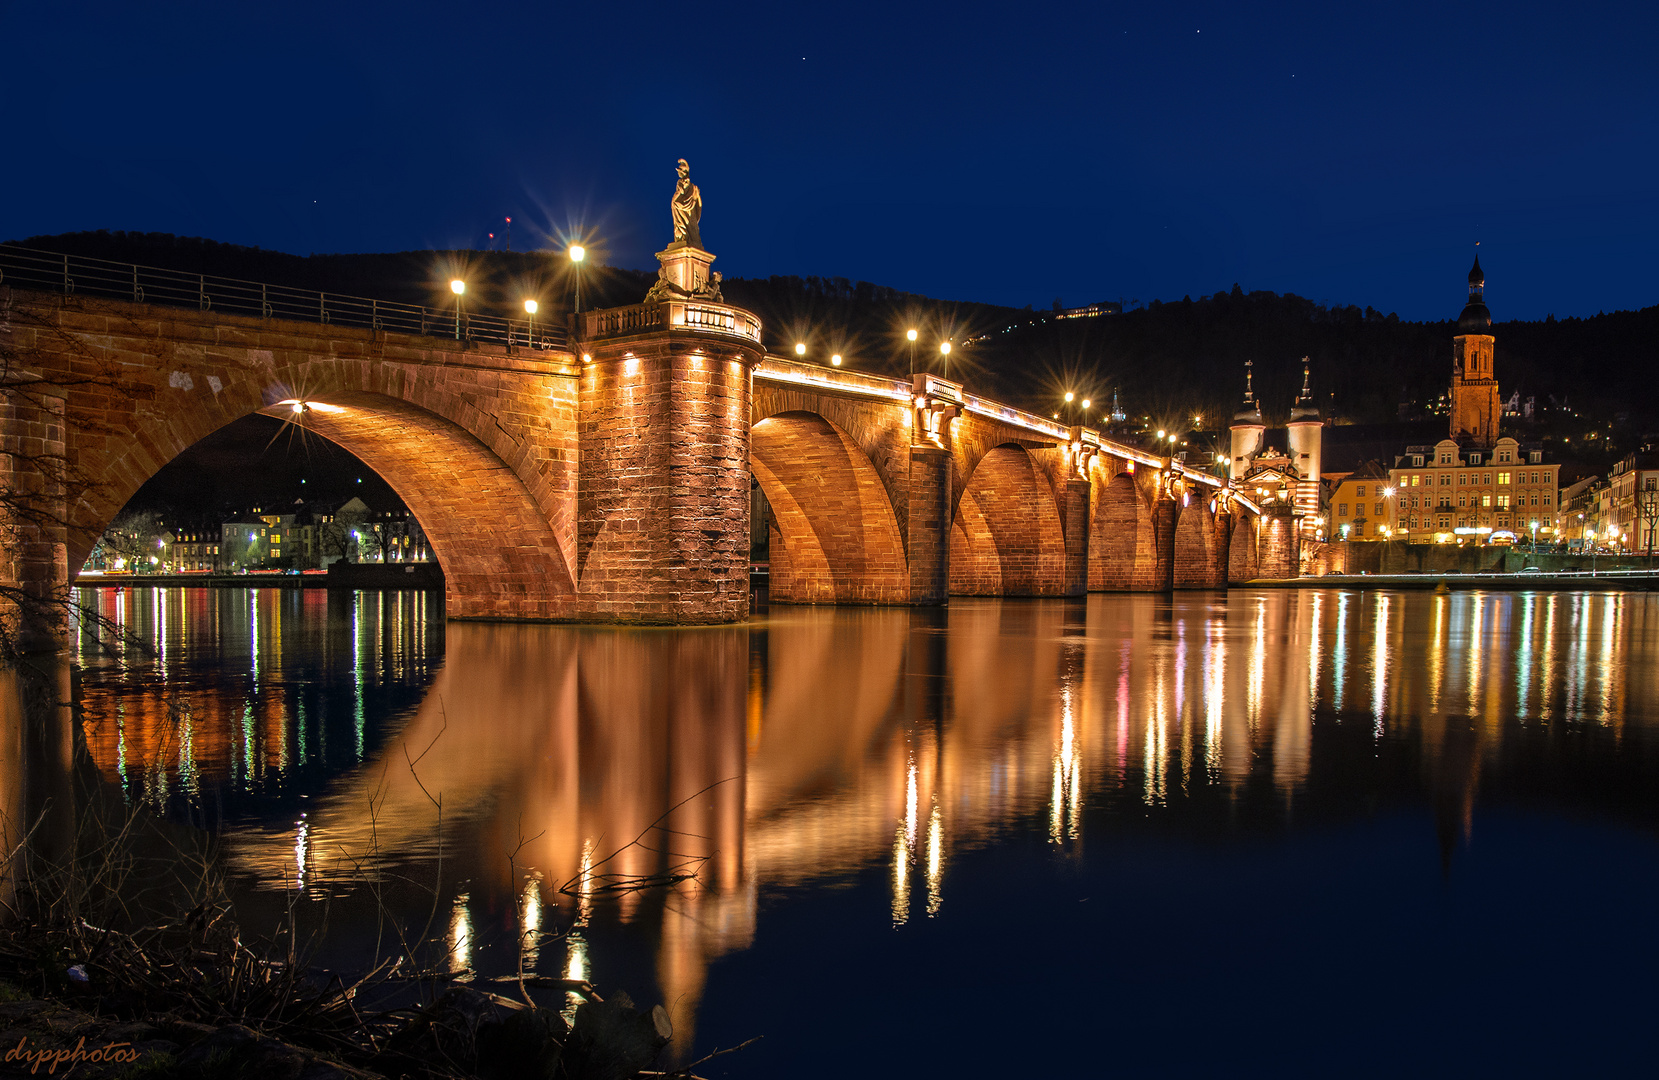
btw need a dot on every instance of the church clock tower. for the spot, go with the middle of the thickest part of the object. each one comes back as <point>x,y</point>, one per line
<point>1475,407</point>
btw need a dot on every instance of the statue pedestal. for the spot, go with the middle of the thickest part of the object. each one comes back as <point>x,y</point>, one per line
<point>687,267</point>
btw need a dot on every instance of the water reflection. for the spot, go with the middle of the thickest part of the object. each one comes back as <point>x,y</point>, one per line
<point>816,747</point>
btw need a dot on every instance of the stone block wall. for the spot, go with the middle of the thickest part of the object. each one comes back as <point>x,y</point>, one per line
<point>662,508</point>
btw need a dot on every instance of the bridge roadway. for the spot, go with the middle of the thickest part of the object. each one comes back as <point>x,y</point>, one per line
<point>611,480</point>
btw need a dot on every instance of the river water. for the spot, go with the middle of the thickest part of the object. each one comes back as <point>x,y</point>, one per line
<point>1300,832</point>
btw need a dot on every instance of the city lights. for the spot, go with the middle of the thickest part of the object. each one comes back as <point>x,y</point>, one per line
<point>800,348</point>
<point>836,359</point>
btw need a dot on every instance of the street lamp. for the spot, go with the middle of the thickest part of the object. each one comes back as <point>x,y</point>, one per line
<point>800,348</point>
<point>457,287</point>
<point>577,253</point>
<point>530,307</point>
<point>1086,404</point>
<point>944,351</point>
<point>836,360</point>
<point>911,336</point>
<point>1068,410</point>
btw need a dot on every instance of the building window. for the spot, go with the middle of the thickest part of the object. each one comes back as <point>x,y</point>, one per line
<point>1379,509</point>
<point>1462,479</point>
<point>1341,509</point>
<point>1359,489</point>
<point>1486,500</point>
<point>1474,459</point>
<point>1445,459</point>
<point>1503,500</point>
<point>1462,500</point>
<point>1546,498</point>
<point>1503,478</point>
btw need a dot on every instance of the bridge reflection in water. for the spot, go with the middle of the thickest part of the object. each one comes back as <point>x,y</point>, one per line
<point>815,747</point>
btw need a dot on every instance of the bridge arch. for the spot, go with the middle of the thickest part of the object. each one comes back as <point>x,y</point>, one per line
<point>500,556</point>
<point>1121,538</point>
<point>1007,538</point>
<point>834,535</point>
<point>1196,555</point>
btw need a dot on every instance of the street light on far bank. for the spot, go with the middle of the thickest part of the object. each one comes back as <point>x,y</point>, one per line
<point>530,307</point>
<point>577,253</point>
<point>910,336</point>
<point>944,351</point>
<point>836,360</point>
<point>800,348</point>
<point>458,287</point>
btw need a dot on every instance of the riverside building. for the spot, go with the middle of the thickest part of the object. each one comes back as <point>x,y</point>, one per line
<point>1476,485</point>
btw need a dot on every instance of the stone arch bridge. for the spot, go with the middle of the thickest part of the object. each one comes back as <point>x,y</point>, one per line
<point>610,480</point>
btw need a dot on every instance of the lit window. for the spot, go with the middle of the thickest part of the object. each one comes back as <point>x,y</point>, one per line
<point>1503,478</point>
<point>1486,500</point>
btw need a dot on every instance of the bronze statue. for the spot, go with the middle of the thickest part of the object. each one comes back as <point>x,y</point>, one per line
<point>687,208</point>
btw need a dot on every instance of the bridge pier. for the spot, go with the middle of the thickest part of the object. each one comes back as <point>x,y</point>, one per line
<point>928,542</point>
<point>34,560</point>
<point>662,521</point>
<point>1074,521</point>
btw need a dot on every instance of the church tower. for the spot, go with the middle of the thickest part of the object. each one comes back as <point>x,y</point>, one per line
<point>1247,427</point>
<point>1475,408</point>
<point>1305,435</point>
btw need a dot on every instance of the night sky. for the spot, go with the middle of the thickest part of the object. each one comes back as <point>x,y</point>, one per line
<point>1002,153</point>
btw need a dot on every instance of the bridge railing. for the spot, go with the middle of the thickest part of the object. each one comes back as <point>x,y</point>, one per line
<point>702,316</point>
<point>76,275</point>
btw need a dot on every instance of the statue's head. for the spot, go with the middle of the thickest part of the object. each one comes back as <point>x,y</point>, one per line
<point>683,169</point>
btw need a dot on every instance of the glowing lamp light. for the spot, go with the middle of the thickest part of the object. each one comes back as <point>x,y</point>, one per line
<point>299,406</point>
<point>800,348</point>
<point>944,348</point>
<point>587,358</point>
<point>530,307</point>
<point>836,359</point>
<point>1069,397</point>
<point>457,286</point>
<point>1160,433</point>
<point>1087,403</point>
<point>911,335</point>
<point>578,253</point>
<point>1388,493</point>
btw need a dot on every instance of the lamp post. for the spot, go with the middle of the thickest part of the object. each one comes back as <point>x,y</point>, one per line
<point>944,351</point>
<point>836,360</point>
<point>577,253</point>
<point>457,287</point>
<point>1068,409</point>
<point>911,336</point>
<point>530,307</point>
<point>800,348</point>
<point>1086,404</point>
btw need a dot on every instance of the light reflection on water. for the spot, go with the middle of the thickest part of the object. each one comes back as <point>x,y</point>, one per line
<point>814,746</point>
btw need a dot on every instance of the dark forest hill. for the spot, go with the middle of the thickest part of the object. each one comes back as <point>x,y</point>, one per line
<point>1168,361</point>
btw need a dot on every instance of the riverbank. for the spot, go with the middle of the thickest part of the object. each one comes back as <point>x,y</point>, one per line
<point>1527,580</point>
<point>367,576</point>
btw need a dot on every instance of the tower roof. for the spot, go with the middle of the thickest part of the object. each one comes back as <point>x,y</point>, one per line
<point>1304,409</point>
<point>1476,318</point>
<point>1251,411</point>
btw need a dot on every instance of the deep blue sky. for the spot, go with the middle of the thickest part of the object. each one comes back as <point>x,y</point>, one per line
<point>1006,153</point>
